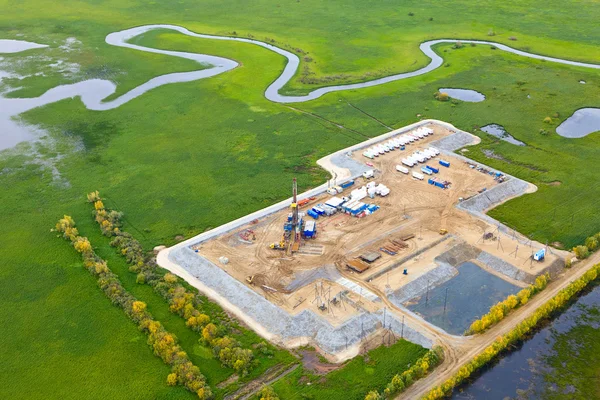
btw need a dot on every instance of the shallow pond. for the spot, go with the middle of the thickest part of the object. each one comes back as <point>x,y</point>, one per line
<point>559,362</point>
<point>499,132</point>
<point>468,95</point>
<point>583,122</point>
<point>470,283</point>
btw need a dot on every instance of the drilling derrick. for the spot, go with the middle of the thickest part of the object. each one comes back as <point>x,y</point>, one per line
<point>295,237</point>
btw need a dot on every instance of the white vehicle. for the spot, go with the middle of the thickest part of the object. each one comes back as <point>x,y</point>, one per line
<point>368,154</point>
<point>418,176</point>
<point>419,157</point>
<point>434,151</point>
<point>402,169</point>
<point>408,162</point>
<point>368,174</point>
<point>427,154</point>
<point>426,171</point>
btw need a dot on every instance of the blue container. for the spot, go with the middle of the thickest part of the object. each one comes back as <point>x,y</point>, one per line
<point>444,163</point>
<point>440,185</point>
<point>347,184</point>
<point>313,214</point>
<point>318,210</point>
<point>287,227</point>
<point>435,170</point>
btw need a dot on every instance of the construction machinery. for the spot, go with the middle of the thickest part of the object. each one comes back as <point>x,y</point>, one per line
<point>250,279</point>
<point>280,245</point>
<point>443,231</point>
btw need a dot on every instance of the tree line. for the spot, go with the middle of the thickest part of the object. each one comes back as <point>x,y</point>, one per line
<point>163,343</point>
<point>401,381</point>
<point>181,301</point>
<point>501,309</point>
<point>556,303</point>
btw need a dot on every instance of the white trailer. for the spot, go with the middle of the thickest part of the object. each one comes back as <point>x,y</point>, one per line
<point>402,169</point>
<point>408,162</point>
<point>418,176</point>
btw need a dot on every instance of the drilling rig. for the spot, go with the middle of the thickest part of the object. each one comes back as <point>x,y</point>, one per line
<point>290,240</point>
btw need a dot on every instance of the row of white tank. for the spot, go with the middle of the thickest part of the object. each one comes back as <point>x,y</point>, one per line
<point>397,142</point>
<point>420,157</point>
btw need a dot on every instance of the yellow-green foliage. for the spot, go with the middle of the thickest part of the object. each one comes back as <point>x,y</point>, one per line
<point>500,310</point>
<point>522,329</point>
<point>163,343</point>
<point>419,369</point>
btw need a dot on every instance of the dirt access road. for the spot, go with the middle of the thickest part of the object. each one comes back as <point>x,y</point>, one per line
<point>464,351</point>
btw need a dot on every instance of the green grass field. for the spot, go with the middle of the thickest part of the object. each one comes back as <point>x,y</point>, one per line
<point>372,371</point>
<point>187,157</point>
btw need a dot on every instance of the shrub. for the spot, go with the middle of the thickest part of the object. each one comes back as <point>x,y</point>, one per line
<point>591,243</point>
<point>581,252</point>
<point>491,32</point>
<point>411,14</point>
<point>514,38</point>
<point>267,393</point>
<point>458,45</point>
<point>441,96</point>
<point>548,120</point>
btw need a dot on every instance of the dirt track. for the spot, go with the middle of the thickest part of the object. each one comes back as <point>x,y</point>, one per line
<point>459,352</point>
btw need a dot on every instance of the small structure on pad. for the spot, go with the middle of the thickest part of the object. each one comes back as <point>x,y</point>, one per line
<point>357,265</point>
<point>370,257</point>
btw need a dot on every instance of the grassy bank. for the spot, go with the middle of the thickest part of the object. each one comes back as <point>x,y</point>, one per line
<point>372,371</point>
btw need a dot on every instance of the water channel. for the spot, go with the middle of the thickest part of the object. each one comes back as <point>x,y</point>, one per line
<point>558,362</point>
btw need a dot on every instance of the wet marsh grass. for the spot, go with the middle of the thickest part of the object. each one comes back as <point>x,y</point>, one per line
<point>187,157</point>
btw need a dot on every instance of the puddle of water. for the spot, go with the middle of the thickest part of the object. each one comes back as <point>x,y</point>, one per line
<point>526,373</point>
<point>499,132</point>
<point>583,122</point>
<point>472,282</point>
<point>468,95</point>
<point>17,46</point>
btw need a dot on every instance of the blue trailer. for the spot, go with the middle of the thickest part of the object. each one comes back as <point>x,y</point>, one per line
<point>435,170</point>
<point>318,210</point>
<point>313,214</point>
<point>372,208</point>
<point>287,227</point>
<point>402,147</point>
<point>445,163</point>
<point>347,184</point>
<point>431,181</point>
<point>540,255</point>
<point>440,184</point>
<point>310,229</point>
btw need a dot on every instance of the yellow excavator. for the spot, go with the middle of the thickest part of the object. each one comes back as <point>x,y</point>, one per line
<point>280,245</point>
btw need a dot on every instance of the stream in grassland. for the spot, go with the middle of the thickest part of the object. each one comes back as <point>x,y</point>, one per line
<point>93,92</point>
<point>560,361</point>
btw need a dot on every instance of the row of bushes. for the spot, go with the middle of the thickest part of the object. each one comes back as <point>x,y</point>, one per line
<point>400,382</point>
<point>523,328</point>
<point>501,309</point>
<point>591,245</point>
<point>164,344</point>
<point>181,300</point>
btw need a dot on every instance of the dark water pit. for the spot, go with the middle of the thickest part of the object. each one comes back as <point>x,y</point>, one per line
<point>470,294</point>
<point>583,122</point>
<point>468,95</point>
<point>499,132</point>
<point>559,361</point>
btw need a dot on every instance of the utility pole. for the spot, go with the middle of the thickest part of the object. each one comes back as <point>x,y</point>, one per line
<point>402,331</point>
<point>445,300</point>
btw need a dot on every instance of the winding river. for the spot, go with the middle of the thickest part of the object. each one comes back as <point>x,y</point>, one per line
<point>92,92</point>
